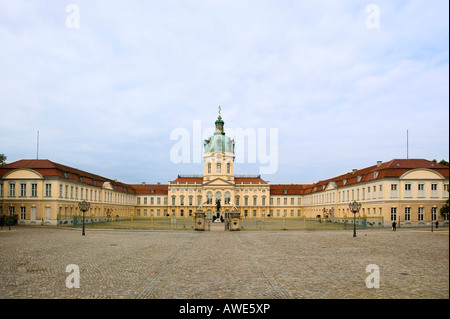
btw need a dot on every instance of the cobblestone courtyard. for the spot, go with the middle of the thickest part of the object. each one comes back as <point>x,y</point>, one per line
<point>413,263</point>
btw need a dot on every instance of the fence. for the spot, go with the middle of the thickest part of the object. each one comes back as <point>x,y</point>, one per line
<point>134,223</point>
<point>309,223</point>
<point>166,223</point>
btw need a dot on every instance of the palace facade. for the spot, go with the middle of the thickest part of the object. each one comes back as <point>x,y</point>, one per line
<point>44,192</point>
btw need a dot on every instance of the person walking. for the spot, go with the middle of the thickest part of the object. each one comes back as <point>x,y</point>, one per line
<point>394,226</point>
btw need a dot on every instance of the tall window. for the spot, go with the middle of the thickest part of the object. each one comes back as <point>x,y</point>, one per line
<point>23,189</point>
<point>48,190</point>
<point>433,213</point>
<point>407,213</point>
<point>420,217</point>
<point>246,200</point>
<point>255,200</point>
<point>12,190</point>
<point>173,200</point>
<point>237,200</point>
<point>209,198</point>
<point>227,197</point>
<point>393,213</point>
<point>219,168</point>
<point>228,168</point>
<point>22,212</point>
<point>264,201</point>
<point>209,168</point>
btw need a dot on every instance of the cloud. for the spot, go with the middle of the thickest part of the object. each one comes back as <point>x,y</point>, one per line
<point>109,93</point>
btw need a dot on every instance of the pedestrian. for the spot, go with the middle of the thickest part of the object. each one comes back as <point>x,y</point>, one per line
<point>394,226</point>
<point>437,224</point>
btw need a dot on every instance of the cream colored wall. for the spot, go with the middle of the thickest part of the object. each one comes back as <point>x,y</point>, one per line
<point>123,204</point>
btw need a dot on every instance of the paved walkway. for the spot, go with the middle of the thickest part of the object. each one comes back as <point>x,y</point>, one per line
<point>216,264</point>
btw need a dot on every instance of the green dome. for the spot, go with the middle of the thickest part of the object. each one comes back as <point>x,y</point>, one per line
<point>219,142</point>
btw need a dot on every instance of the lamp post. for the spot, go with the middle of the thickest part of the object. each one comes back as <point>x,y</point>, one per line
<point>84,206</point>
<point>354,207</point>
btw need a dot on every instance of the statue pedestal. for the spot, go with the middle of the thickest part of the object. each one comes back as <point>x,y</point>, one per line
<point>235,218</point>
<point>199,220</point>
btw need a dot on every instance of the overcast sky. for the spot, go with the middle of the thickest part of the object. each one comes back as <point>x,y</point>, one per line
<point>106,82</point>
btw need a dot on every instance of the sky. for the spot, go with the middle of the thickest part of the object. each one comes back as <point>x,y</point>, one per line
<point>325,86</point>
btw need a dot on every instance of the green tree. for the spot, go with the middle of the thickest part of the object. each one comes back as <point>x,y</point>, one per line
<point>444,162</point>
<point>444,209</point>
<point>2,159</point>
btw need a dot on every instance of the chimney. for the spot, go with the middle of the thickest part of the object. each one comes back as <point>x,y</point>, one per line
<point>379,163</point>
<point>354,171</point>
<point>143,183</point>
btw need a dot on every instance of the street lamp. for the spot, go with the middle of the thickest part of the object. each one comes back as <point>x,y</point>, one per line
<point>84,206</point>
<point>354,207</point>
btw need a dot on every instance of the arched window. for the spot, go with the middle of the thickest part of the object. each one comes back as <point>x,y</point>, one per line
<point>218,196</point>
<point>227,197</point>
<point>209,198</point>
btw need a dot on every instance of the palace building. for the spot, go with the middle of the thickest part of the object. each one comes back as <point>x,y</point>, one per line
<point>44,192</point>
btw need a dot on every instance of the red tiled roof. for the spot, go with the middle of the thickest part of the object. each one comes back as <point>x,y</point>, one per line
<point>394,168</point>
<point>291,189</point>
<point>148,188</point>
<point>48,168</point>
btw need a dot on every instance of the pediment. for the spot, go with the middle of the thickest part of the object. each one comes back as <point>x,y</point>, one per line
<point>218,182</point>
<point>331,186</point>
<point>421,173</point>
<point>23,173</point>
<point>108,185</point>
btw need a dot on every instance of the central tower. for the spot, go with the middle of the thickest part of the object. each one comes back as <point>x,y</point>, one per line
<point>218,155</point>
